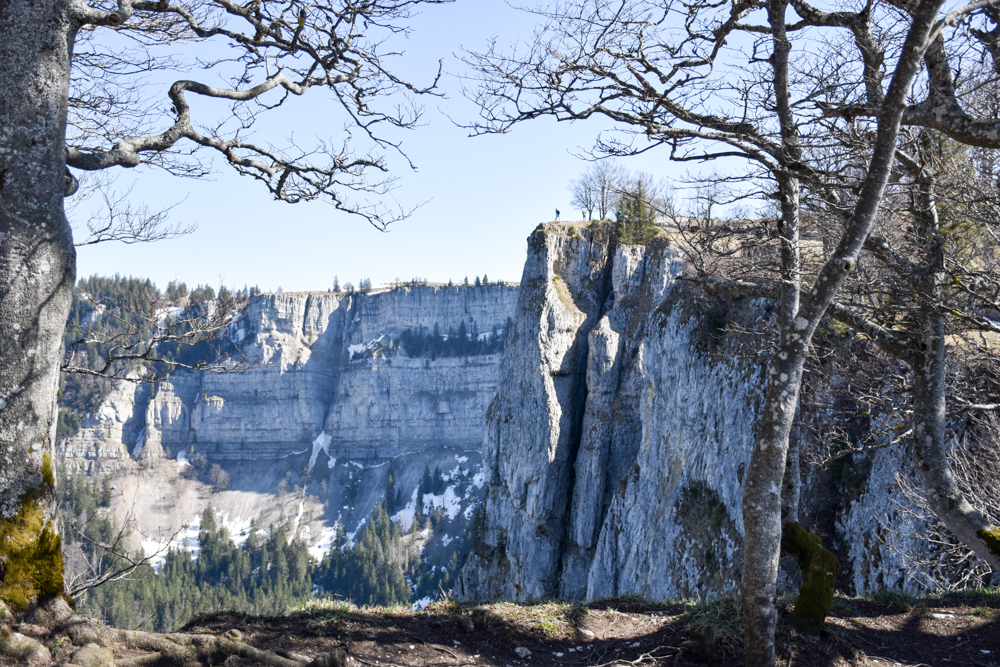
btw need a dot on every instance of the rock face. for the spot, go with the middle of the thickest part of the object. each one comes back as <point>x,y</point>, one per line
<point>333,393</point>
<point>614,431</point>
<point>618,440</point>
<point>325,366</point>
<point>612,441</point>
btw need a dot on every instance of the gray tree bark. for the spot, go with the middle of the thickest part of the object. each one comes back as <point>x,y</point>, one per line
<point>762,489</point>
<point>37,259</point>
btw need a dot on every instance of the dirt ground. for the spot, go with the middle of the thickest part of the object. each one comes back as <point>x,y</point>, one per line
<point>961,629</point>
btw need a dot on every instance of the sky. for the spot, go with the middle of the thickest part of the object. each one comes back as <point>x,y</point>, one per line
<point>481,197</point>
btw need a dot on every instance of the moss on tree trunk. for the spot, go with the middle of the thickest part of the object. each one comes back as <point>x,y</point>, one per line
<point>31,562</point>
<point>820,569</point>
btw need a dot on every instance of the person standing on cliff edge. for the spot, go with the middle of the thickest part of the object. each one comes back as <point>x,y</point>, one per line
<point>557,215</point>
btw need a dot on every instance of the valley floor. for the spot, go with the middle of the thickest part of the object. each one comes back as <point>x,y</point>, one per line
<point>889,630</point>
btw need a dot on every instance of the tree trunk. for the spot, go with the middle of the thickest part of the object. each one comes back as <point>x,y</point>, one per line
<point>37,273</point>
<point>930,447</point>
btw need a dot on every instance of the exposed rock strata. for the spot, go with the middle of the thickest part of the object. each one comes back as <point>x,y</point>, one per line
<point>374,404</point>
<point>311,433</point>
<point>639,437</point>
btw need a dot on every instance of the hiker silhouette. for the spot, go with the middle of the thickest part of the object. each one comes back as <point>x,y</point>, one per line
<point>557,215</point>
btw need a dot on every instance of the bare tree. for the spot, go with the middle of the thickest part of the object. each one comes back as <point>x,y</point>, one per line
<point>583,192</point>
<point>704,81</point>
<point>599,188</point>
<point>72,100</point>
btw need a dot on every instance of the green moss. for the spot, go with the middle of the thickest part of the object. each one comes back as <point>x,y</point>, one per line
<point>820,568</point>
<point>991,536</point>
<point>30,549</point>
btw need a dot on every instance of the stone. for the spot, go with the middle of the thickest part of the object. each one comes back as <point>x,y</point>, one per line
<point>617,442</point>
<point>22,648</point>
<point>522,652</point>
<point>332,390</point>
<point>93,655</point>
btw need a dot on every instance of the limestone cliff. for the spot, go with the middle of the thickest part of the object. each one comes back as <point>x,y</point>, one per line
<point>617,443</point>
<point>314,431</point>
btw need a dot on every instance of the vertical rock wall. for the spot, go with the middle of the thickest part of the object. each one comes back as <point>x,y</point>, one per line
<point>611,440</point>
<point>617,443</point>
<point>321,369</point>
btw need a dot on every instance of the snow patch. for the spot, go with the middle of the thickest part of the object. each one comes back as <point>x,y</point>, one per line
<point>422,603</point>
<point>448,500</point>
<point>404,517</point>
<point>321,443</point>
<point>186,539</point>
<point>360,347</point>
<point>239,529</point>
<point>322,546</point>
<point>182,458</point>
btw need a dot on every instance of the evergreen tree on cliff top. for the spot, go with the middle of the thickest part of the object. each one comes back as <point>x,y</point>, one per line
<point>55,123</point>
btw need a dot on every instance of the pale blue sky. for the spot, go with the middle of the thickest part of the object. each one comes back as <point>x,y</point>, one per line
<point>486,194</point>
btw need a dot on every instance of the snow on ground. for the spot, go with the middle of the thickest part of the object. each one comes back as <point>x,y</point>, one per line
<point>461,459</point>
<point>422,603</point>
<point>449,500</point>
<point>478,480</point>
<point>360,347</point>
<point>350,536</point>
<point>321,443</point>
<point>186,539</point>
<point>298,520</point>
<point>165,315</point>
<point>446,540</point>
<point>404,517</point>
<point>239,529</point>
<point>322,546</point>
<point>182,458</point>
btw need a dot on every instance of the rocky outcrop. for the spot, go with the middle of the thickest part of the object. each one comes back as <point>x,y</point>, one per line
<point>617,443</point>
<point>612,441</point>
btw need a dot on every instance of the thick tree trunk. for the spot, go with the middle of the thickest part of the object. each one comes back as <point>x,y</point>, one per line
<point>762,490</point>
<point>37,273</point>
<point>762,521</point>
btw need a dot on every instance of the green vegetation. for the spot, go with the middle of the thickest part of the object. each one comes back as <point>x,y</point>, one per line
<point>30,549</point>
<point>465,341</point>
<point>268,574</point>
<point>372,571</point>
<point>123,310</point>
<point>820,569</point>
<point>635,215</point>
<point>991,536</point>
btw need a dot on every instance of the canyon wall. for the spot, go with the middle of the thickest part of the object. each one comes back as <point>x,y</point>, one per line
<point>607,444</point>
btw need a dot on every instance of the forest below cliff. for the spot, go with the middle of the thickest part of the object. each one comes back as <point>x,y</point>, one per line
<point>265,571</point>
